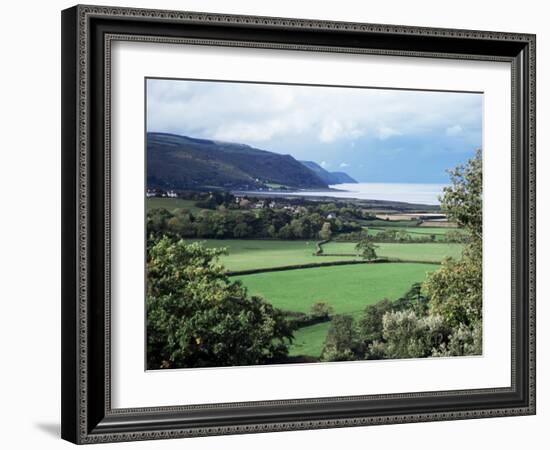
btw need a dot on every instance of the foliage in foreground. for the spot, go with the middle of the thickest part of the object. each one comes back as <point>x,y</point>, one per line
<point>456,289</point>
<point>197,317</point>
<point>442,317</point>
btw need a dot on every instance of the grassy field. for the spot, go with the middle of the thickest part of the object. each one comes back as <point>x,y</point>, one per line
<point>262,254</point>
<point>171,203</point>
<point>309,340</point>
<point>348,289</point>
<point>414,252</point>
<point>417,232</point>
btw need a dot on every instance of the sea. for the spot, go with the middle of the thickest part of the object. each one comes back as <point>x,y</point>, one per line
<point>426,194</point>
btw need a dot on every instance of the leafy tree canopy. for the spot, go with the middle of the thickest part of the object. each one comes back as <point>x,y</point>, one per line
<point>197,317</point>
<point>455,290</point>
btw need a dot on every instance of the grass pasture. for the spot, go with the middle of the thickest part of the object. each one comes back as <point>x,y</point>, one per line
<point>348,289</point>
<point>309,341</point>
<point>263,254</point>
<point>417,232</point>
<point>411,252</point>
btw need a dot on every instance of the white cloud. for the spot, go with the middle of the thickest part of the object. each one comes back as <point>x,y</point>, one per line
<point>344,165</point>
<point>455,130</point>
<point>385,132</point>
<point>324,164</point>
<point>283,116</point>
<point>248,132</point>
<point>333,130</point>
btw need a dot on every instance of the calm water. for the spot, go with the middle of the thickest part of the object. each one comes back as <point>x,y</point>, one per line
<point>399,192</point>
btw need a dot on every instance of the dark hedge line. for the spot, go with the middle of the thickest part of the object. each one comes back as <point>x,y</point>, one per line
<point>300,319</point>
<point>299,266</point>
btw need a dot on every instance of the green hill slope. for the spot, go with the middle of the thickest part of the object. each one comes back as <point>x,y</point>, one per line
<point>181,162</point>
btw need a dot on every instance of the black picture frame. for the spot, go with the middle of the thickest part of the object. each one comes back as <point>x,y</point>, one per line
<point>87,416</point>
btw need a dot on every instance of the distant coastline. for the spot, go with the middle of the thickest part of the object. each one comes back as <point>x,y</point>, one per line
<point>399,193</point>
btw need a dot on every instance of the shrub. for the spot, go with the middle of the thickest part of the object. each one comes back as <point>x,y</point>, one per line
<point>321,310</point>
<point>342,342</point>
<point>408,336</point>
<point>455,289</point>
<point>370,325</point>
<point>463,341</point>
<point>376,350</point>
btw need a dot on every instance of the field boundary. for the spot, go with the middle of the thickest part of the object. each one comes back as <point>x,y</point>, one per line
<point>328,264</point>
<point>301,266</point>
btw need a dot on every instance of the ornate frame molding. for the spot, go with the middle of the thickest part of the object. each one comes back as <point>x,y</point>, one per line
<point>80,418</point>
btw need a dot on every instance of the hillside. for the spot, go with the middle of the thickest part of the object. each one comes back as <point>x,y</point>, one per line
<point>181,162</point>
<point>326,176</point>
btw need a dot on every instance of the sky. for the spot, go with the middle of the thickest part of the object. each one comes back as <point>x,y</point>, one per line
<point>374,135</point>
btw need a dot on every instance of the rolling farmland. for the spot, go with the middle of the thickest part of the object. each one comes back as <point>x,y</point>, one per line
<point>347,288</point>
<point>264,254</point>
<point>405,251</point>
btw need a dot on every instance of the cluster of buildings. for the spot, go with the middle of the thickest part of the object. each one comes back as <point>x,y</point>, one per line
<point>161,194</point>
<point>245,203</point>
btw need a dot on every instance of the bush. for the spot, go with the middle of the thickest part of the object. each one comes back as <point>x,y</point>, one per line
<point>463,341</point>
<point>342,342</point>
<point>414,300</point>
<point>455,289</point>
<point>408,336</point>
<point>376,350</point>
<point>321,310</point>
<point>297,319</point>
<point>370,325</point>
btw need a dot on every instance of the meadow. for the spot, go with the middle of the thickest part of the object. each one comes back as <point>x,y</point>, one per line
<point>348,289</point>
<point>405,251</point>
<point>417,232</point>
<point>244,254</point>
<point>263,254</point>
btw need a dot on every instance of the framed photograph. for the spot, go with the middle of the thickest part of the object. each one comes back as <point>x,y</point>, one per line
<point>278,224</point>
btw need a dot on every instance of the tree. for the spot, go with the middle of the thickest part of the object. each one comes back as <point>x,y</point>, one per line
<point>209,202</point>
<point>408,336</point>
<point>462,200</point>
<point>198,317</point>
<point>325,232</point>
<point>321,310</point>
<point>366,248</point>
<point>272,231</point>
<point>241,230</point>
<point>371,322</point>
<point>342,342</point>
<point>414,299</point>
<point>465,340</point>
<point>455,290</point>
